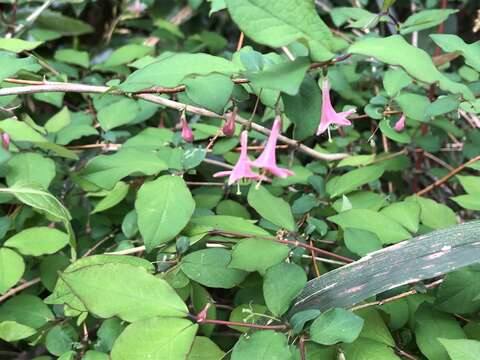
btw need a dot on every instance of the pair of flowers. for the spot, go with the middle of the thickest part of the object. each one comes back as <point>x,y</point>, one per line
<point>267,161</point>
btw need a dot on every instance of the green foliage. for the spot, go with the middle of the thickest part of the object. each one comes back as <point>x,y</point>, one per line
<point>135,223</point>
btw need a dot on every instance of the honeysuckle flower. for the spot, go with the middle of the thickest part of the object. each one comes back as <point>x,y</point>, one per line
<point>242,169</point>
<point>187,133</point>
<point>5,140</point>
<point>400,124</point>
<point>228,128</point>
<point>329,115</point>
<point>267,159</point>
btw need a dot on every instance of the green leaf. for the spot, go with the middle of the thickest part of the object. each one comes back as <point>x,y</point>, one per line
<point>282,283</point>
<point>361,242</point>
<point>112,197</point>
<point>38,241</point>
<point>20,131</point>
<point>74,57</point>
<point>10,65</point>
<point>228,224</point>
<point>125,54</point>
<point>395,50</point>
<point>209,267</point>
<point>356,160</point>
<point>453,43</point>
<point>12,331</point>
<point>304,108</point>
<point>395,80</point>
<point>27,310</point>
<point>285,77</point>
<point>374,327</point>
<point>172,68</point>
<point>67,26</point>
<point>353,179</point>
<point>62,293</point>
<point>106,170</point>
<point>58,121</point>
<point>257,254</point>
<point>461,349</point>
<point>366,349</point>
<point>470,202</point>
<point>471,184</point>
<point>205,349</point>
<point>18,45</point>
<point>60,339</point>
<point>158,338</point>
<point>30,167</point>
<point>336,325</point>
<point>264,203</point>
<point>390,231</point>
<point>429,255</point>
<point>460,292</point>
<point>425,19</point>
<point>262,345</point>
<point>12,267</point>
<point>433,214</point>
<point>278,23</point>
<point>123,290</point>
<point>210,91</point>
<point>432,325</point>
<point>118,113</point>
<point>164,206</point>
<point>34,196</point>
<point>406,213</point>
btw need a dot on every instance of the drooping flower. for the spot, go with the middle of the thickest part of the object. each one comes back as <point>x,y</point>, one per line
<point>242,169</point>
<point>400,124</point>
<point>5,140</point>
<point>267,159</point>
<point>187,133</point>
<point>329,115</point>
<point>228,128</point>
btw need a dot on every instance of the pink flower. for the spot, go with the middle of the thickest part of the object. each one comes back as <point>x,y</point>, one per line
<point>242,168</point>
<point>5,140</point>
<point>329,115</point>
<point>228,128</point>
<point>400,124</point>
<point>187,133</point>
<point>267,159</point>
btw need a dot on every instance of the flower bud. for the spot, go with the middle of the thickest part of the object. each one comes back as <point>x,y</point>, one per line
<point>5,140</point>
<point>228,128</point>
<point>187,133</point>
<point>400,124</point>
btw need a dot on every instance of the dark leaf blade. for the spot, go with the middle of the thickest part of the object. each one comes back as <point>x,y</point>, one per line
<point>420,258</point>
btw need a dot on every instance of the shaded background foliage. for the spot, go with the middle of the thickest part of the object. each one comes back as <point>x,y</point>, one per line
<point>105,254</point>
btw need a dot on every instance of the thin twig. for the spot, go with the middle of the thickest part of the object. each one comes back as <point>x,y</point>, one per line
<point>396,297</point>
<point>134,250</point>
<point>32,17</point>
<point>19,288</point>
<point>83,88</point>
<point>447,177</point>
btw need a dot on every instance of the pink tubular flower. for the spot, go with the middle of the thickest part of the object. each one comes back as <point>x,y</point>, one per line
<point>400,124</point>
<point>187,133</point>
<point>5,140</point>
<point>267,159</point>
<point>329,115</point>
<point>242,168</point>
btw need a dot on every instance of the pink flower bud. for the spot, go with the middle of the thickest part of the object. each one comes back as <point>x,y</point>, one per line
<point>5,140</point>
<point>228,128</point>
<point>187,133</point>
<point>400,124</point>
